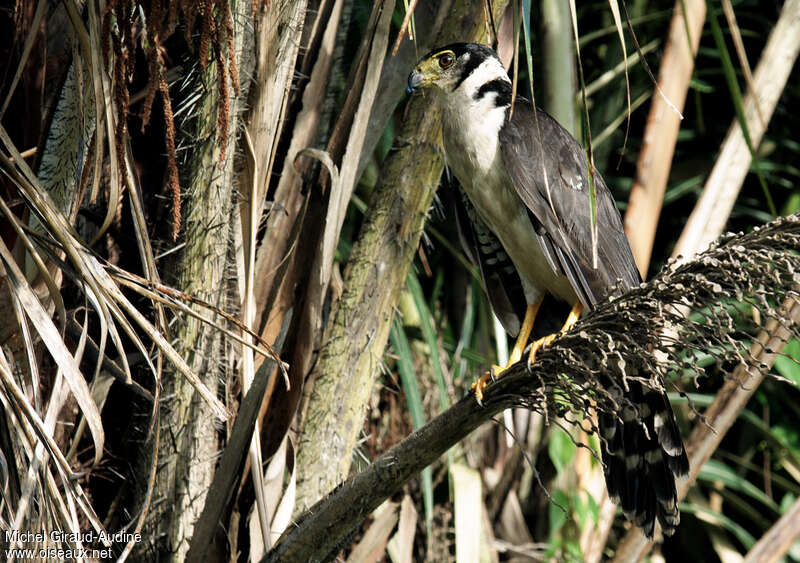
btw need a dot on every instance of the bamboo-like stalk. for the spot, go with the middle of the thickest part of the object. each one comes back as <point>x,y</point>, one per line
<point>779,539</point>
<point>661,132</point>
<point>558,64</point>
<point>723,185</point>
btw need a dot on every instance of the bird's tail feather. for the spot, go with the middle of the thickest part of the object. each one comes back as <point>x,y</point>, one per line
<point>643,454</point>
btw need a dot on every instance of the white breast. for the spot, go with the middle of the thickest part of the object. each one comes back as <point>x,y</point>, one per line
<point>470,134</point>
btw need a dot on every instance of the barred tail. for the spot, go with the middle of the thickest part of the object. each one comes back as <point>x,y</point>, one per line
<point>643,454</point>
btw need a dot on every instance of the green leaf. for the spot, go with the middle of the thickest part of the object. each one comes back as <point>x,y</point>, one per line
<point>714,470</point>
<point>717,519</point>
<point>405,366</point>
<point>581,510</point>
<point>792,204</point>
<point>573,549</point>
<point>561,450</point>
<point>786,502</point>
<point>594,510</point>
<point>526,27</point>
<point>773,434</point>
<point>701,85</point>
<point>429,334</point>
<point>557,515</point>
<point>788,367</point>
<point>680,189</point>
<point>460,353</point>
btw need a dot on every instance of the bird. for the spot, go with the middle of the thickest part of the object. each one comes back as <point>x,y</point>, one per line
<point>524,215</point>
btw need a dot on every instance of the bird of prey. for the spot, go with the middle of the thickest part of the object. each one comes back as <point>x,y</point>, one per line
<point>526,220</point>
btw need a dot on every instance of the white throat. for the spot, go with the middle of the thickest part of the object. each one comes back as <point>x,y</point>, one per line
<point>472,121</point>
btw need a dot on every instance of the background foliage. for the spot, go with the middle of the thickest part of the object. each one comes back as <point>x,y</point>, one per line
<point>156,203</point>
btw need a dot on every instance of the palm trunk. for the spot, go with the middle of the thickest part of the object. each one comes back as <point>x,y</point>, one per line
<point>189,440</point>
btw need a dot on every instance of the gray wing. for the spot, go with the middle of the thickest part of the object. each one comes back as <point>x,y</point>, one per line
<point>500,278</point>
<point>561,210</point>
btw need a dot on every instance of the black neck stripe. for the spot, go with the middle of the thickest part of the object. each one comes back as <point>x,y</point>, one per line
<point>497,86</point>
<point>474,61</point>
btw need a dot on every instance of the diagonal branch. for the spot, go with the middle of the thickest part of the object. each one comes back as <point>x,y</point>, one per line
<point>579,371</point>
<point>324,526</point>
<point>779,539</point>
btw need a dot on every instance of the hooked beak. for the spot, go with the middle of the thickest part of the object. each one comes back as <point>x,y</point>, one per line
<point>415,80</point>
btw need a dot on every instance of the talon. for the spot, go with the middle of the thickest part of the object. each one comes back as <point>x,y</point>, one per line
<point>480,384</point>
<point>539,344</point>
<point>531,357</point>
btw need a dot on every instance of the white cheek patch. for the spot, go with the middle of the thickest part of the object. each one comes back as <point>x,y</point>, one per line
<point>490,69</point>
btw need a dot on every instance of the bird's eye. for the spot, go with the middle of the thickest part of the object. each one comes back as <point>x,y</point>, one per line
<point>445,60</point>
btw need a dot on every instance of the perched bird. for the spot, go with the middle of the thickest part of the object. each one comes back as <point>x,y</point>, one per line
<point>526,221</point>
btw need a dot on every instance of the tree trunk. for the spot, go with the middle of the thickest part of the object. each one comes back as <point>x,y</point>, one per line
<point>189,441</point>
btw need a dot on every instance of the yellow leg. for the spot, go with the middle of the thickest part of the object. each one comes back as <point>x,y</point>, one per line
<point>516,353</point>
<point>573,317</point>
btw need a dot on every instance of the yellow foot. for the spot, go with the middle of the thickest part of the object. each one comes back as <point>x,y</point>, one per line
<point>573,317</point>
<point>482,382</point>
<point>479,385</point>
<point>516,354</point>
<point>539,344</point>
